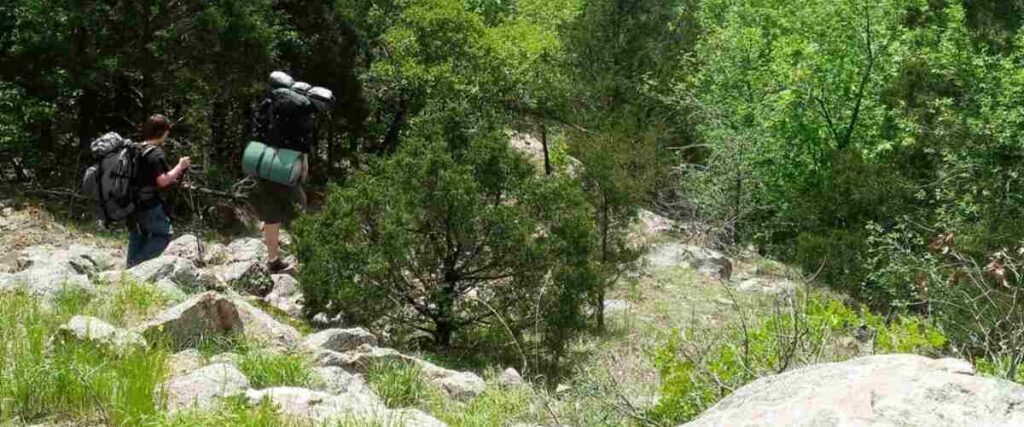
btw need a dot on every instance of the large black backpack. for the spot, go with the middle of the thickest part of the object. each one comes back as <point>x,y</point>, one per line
<point>290,120</point>
<point>109,182</point>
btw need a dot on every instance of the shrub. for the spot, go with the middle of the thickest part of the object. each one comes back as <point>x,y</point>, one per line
<point>442,239</point>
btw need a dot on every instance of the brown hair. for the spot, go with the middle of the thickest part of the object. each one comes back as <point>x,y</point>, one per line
<point>154,127</point>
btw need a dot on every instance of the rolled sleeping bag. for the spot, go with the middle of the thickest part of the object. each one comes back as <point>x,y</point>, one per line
<point>279,165</point>
<point>280,79</point>
<point>302,87</point>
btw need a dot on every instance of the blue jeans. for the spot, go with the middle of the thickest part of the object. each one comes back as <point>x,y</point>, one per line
<point>150,233</point>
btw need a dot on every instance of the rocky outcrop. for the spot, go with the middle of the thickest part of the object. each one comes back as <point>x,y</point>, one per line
<point>45,271</point>
<point>200,389</point>
<point>889,390</point>
<point>709,262</point>
<point>205,315</point>
<point>84,329</point>
<point>335,380</point>
<point>339,340</point>
<point>286,295</point>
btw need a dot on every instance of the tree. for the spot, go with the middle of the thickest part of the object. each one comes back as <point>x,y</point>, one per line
<point>442,240</point>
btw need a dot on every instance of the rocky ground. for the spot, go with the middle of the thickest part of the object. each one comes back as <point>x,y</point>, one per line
<point>221,291</point>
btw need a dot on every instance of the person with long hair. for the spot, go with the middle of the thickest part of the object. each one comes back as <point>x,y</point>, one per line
<point>149,226</point>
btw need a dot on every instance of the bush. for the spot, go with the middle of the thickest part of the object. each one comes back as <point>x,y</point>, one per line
<point>695,377</point>
<point>443,239</point>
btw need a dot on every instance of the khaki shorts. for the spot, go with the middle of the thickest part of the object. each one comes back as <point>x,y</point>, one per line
<point>276,203</point>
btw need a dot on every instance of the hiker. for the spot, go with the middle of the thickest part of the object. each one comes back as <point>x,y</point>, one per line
<point>285,119</point>
<point>149,226</point>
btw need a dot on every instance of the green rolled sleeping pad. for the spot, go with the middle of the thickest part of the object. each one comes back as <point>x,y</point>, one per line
<point>279,165</point>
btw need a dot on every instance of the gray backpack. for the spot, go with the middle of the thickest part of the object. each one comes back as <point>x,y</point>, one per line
<point>109,182</point>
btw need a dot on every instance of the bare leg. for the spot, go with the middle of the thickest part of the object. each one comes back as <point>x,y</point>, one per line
<point>271,232</point>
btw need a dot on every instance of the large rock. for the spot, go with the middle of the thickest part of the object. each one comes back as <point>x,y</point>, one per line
<point>320,407</point>
<point>335,380</point>
<point>249,276</point>
<point>180,271</point>
<point>248,249</point>
<point>205,315</point>
<point>889,390</point>
<point>262,327</point>
<point>286,295</point>
<point>709,262</point>
<point>183,362</point>
<point>340,340</point>
<point>187,246</point>
<point>200,389</point>
<point>511,378</point>
<point>84,329</point>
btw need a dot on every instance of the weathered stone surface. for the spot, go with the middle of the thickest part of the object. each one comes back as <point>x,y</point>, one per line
<point>765,285</point>
<point>511,378</point>
<point>260,326</point>
<point>320,407</point>
<point>706,261</point>
<point>249,249</point>
<point>249,276</point>
<point>215,254</point>
<point>335,380</point>
<point>340,340</point>
<point>613,306</point>
<point>459,385</point>
<point>413,418</point>
<point>183,362</point>
<point>200,389</point>
<point>286,295</point>
<point>84,329</point>
<point>187,247</point>
<point>889,390</point>
<point>204,315</point>
<point>45,271</point>
<point>654,224</point>
<point>228,358</point>
<point>180,271</point>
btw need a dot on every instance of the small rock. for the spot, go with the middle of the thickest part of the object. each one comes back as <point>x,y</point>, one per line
<point>201,388</point>
<point>765,286</point>
<point>183,362</point>
<point>180,271</point>
<point>322,320</point>
<point>613,306</point>
<point>286,295</point>
<point>84,329</point>
<point>228,358</point>
<point>335,380</point>
<point>205,315</point>
<point>340,340</point>
<point>511,378</point>
<point>562,388</point>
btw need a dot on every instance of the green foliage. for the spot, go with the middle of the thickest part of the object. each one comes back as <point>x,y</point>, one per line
<point>399,384</point>
<point>428,227</point>
<point>267,369</point>
<point>230,412</point>
<point>694,377</point>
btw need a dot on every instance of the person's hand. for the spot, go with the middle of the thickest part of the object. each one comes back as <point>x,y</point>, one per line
<point>184,163</point>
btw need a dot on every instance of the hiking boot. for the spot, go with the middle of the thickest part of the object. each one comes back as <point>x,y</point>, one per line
<point>277,266</point>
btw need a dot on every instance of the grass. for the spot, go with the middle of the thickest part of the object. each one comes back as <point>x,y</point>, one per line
<point>399,385</point>
<point>74,381</point>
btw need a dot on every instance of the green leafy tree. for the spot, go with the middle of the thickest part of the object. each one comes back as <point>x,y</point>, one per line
<point>442,240</point>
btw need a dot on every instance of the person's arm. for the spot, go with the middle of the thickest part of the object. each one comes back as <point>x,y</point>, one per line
<point>168,178</point>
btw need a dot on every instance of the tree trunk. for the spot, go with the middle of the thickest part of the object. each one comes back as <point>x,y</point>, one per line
<point>544,145</point>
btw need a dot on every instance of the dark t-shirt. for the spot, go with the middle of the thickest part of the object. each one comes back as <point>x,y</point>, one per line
<point>150,166</point>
